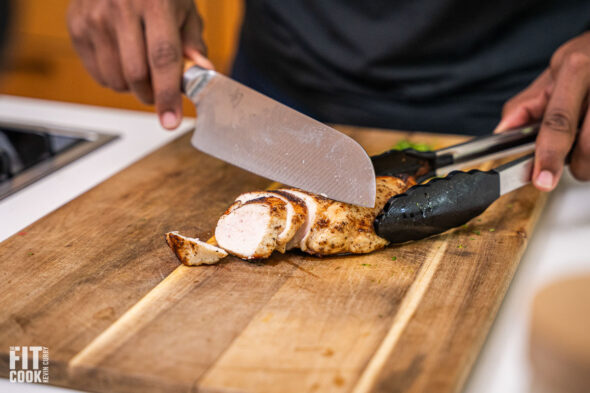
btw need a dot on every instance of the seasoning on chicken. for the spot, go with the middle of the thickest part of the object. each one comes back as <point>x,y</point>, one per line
<point>192,251</point>
<point>340,228</point>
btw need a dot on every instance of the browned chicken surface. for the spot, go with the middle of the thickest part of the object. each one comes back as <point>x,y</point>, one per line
<point>193,251</point>
<point>341,228</point>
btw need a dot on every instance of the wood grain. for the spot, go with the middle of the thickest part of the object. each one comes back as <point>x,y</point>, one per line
<point>95,282</point>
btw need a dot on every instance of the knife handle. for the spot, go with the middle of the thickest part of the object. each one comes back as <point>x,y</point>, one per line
<point>194,79</point>
<point>434,207</point>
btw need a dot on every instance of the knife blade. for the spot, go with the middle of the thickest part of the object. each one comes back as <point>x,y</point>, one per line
<point>252,131</point>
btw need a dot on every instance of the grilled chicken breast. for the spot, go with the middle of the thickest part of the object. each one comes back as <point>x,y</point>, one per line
<point>258,223</point>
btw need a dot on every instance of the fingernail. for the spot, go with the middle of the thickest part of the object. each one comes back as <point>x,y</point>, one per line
<point>502,124</point>
<point>509,121</point>
<point>498,127</point>
<point>169,120</point>
<point>545,180</point>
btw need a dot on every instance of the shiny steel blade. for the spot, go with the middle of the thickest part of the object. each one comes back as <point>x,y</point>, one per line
<point>515,174</point>
<point>247,129</point>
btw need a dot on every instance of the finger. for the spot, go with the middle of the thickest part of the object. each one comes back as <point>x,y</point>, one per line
<point>165,60</point>
<point>134,62</point>
<point>580,164</point>
<point>527,106</point>
<point>107,56</point>
<point>560,123</point>
<point>526,111</point>
<point>199,59</point>
<point>82,44</point>
<point>192,40</point>
<point>88,56</point>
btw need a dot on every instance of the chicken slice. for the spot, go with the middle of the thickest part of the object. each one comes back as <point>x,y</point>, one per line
<point>339,228</point>
<point>296,213</point>
<point>311,202</point>
<point>250,230</point>
<point>192,251</point>
<point>299,219</point>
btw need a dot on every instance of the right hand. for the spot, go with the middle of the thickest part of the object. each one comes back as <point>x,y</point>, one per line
<point>139,45</point>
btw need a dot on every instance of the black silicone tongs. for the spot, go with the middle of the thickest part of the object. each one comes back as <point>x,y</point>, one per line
<point>444,203</point>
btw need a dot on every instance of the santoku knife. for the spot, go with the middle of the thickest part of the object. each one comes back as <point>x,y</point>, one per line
<point>254,132</point>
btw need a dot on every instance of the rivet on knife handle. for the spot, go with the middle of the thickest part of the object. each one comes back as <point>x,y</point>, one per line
<point>194,80</point>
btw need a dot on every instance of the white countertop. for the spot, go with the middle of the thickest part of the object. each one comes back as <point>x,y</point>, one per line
<point>558,248</point>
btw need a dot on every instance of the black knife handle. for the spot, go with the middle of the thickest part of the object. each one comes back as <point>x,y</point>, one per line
<point>441,204</point>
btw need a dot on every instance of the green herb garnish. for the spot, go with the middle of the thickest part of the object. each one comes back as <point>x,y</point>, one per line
<point>365,264</point>
<point>406,144</point>
<point>477,232</point>
<point>394,258</point>
<point>492,229</point>
<point>460,246</point>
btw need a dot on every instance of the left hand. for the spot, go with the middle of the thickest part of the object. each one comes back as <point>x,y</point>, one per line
<point>559,96</point>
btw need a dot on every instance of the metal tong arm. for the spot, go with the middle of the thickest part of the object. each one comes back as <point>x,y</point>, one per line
<point>423,165</point>
<point>487,148</point>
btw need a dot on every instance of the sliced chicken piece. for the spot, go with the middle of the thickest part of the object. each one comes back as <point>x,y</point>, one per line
<point>339,228</point>
<point>192,251</point>
<point>250,230</point>
<point>311,202</point>
<point>296,213</point>
<point>299,219</point>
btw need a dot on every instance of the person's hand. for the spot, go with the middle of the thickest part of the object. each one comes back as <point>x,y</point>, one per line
<point>139,45</point>
<point>559,96</point>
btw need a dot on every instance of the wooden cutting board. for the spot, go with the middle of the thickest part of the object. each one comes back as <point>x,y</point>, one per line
<point>95,282</point>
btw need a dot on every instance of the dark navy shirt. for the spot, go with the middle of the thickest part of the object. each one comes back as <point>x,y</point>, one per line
<point>432,65</point>
<point>4,14</point>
